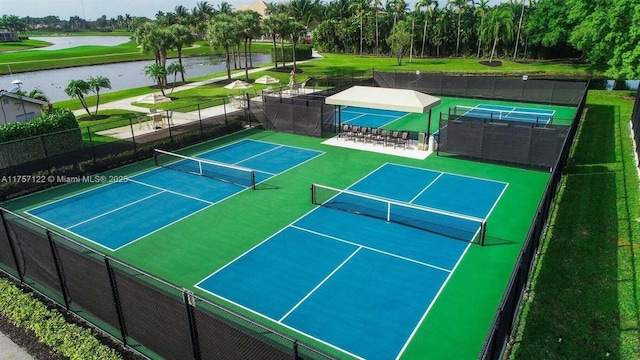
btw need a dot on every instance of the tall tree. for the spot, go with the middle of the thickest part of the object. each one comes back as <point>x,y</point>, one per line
<point>95,84</point>
<point>459,7</point>
<point>222,32</point>
<point>360,8</point>
<point>481,9</point>
<point>78,88</point>
<point>271,26</point>
<point>181,36</point>
<point>522,7</point>
<point>429,7</point>
<point>499,26</point>
<point>298,30</point>
<point>376,8</point>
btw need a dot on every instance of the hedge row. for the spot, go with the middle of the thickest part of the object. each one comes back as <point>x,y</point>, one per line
<point>53,121</point>
<point>303,52</point>
<point>50,327</point>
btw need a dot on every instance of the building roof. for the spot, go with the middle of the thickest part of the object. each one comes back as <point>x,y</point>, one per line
<point>259,6</point>
<point>384,99</point>
<point>24,98</point>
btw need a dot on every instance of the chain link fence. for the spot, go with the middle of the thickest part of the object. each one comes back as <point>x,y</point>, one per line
<point>145,313</point>
<point>35,163</point>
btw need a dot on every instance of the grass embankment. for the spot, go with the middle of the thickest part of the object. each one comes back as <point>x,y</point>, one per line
<point>584,301</point>
<point>22,45</point>
<point>34,60</point>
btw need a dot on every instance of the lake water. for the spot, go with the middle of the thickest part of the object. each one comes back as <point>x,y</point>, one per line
<point>122,75</point>
<point>65,42</point>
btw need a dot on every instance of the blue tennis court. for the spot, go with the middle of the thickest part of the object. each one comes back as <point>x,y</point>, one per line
<point>153,200</point>
<point>359,283</point>
<point>506,113</point>
<point>373,118</point>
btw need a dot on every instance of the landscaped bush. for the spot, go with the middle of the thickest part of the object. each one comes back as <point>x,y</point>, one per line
<point>50,326</point>
<point>303,52</point>
<point>53,121</point>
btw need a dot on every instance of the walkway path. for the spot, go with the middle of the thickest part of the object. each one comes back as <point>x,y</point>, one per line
<point>125,104</point>
<point>10,351</point>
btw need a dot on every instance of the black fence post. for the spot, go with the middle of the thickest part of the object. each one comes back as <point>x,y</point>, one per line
<point>44,152</point>
<point>13,249</point>
<point>296,355</point>
<point>56,261</point>
<point>93,150</point>
<point>190,304</point>
<point>116,300</point>
<point>133,139</point>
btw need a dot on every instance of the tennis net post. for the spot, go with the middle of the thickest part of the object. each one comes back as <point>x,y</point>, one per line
<point>232,174</point>
<point>441,222</point>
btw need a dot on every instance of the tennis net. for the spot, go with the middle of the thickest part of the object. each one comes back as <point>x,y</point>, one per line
<point>219,171</point>
<point>445,223</point>
<point>542,117</point>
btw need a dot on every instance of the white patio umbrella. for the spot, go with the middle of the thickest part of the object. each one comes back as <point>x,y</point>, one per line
<point>238,84</point>
<point>154,99</point>
<point>267,79</point>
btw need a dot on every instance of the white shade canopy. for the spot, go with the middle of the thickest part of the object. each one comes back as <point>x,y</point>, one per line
<point>267,79</point>
<point>238,84</point>
<point>385,99</point>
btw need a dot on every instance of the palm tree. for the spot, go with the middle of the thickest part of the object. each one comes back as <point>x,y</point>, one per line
<point>222,32</point>
<point>499,26</point>
<point>360,8</point>
<point>271,26</point>
<point>481,9</point>
<point>181,37</point>
<point>78,88</point>
<point>396,7</point>
<point>297,30</point>
<point>96,83</point>
<point>429,6</point>
<point>158,73</point>
<point>182,14</point>
<point>459,7</point>
<point>515,49</point>
<point>175,68</point>
<point>376,8</point>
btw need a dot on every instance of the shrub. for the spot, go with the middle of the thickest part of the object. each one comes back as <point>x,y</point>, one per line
<point>303,52</point>
<point>53,121</point>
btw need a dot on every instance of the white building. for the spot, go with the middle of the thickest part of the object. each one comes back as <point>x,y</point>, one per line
<point>17,108</point>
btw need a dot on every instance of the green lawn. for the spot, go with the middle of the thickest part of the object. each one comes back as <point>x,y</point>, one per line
<point>22,45</point>
<point>585,287</point>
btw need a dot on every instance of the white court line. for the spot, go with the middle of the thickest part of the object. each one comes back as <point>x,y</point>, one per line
<point>433,301</point>
<point>370,248</point>
<point>319,284</point>
<point>425,188</point>
<point>350,120</point>
<point>367,113</point>
<point>114,210</point>
<point>276,322</point>
<point>170,191</point>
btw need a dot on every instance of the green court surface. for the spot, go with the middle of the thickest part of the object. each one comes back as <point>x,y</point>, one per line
<point>189,250</point>
<point>418,122</point>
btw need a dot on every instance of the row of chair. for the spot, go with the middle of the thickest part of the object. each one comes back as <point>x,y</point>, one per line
<point>374,135</point>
